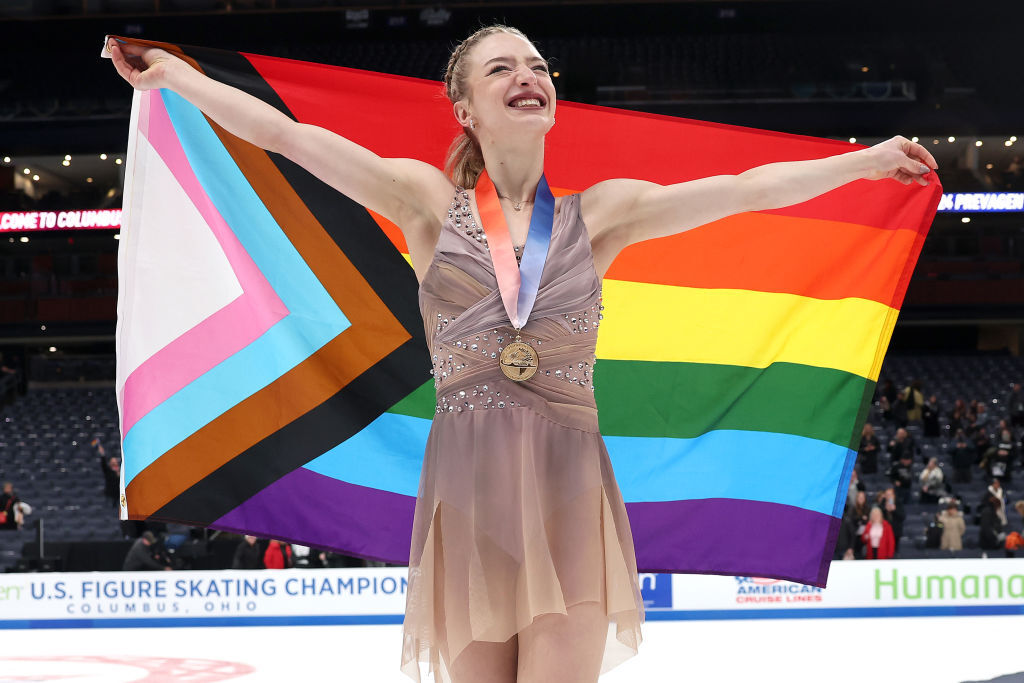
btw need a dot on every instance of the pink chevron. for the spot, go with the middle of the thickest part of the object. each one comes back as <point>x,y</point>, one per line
<point>225,332</point>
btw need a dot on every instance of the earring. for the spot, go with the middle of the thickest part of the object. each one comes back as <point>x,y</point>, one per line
<point>471,124</point>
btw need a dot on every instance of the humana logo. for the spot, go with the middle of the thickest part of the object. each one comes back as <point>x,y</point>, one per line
<point>947,587</point>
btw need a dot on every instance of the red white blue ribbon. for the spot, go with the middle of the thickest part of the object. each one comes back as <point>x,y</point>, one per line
<point>518,284</point>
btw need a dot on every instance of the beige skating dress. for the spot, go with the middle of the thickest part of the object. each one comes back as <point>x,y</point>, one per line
<point>518,512</point>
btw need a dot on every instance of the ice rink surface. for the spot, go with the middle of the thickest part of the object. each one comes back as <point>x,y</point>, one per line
<point>932,649</point>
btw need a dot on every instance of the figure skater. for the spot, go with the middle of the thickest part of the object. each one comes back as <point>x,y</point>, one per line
<point>522,565</point>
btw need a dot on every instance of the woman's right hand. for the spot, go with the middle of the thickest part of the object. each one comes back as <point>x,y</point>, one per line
<point>145,68</point>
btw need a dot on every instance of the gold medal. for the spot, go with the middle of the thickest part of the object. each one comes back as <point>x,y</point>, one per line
<point>518,360</point>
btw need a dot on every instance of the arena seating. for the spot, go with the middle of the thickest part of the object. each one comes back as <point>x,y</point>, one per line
<point>45,451</point>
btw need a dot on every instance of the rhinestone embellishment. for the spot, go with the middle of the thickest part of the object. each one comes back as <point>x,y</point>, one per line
<point>461,214</point>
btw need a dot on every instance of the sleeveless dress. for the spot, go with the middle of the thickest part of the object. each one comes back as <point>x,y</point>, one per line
<point>518,512</point>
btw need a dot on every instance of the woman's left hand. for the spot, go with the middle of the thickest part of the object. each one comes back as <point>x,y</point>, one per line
<point>901,159</point>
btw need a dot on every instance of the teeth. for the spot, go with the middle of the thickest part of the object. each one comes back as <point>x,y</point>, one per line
<point>527,102</point>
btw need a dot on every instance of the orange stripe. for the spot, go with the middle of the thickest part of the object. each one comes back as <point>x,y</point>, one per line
<point>806,256</point>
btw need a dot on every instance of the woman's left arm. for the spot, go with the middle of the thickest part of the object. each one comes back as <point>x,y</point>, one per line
<point>623,211</point>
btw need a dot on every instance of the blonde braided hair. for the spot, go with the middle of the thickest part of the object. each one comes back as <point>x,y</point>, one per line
<point>465,160</point>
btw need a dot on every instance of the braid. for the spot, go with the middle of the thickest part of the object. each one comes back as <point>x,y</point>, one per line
<point>465,161</point>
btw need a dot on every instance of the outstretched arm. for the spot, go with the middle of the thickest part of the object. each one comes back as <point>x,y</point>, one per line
<point>623,211</point>
<point>409,192</point>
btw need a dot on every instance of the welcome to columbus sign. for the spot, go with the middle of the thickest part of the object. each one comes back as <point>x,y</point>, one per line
<point>377,595</point>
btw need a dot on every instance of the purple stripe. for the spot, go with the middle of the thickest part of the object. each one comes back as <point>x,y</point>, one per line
<point>350,519</point>
<point>709,536</point>
<point>733,537</point>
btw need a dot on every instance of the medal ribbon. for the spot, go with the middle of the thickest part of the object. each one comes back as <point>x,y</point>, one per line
<point>518,284</point>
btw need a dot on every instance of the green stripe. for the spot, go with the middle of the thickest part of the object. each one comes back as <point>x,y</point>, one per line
<point>685,400</point>
<point>420,403</point>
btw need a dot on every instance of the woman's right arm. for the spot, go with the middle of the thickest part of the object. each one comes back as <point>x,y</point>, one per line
<point>412,194</point>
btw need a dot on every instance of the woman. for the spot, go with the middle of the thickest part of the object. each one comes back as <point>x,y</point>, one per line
<point>521,559</point>
<point>867,455</point>
<point>932,482</point>
<point>953,527</point>
<point>991,525</point>
<point>879,539</point>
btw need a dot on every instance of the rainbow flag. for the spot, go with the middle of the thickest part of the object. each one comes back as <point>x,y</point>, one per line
<point>273,375</point>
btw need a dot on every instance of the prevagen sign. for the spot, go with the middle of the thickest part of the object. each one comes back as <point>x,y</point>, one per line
<point>88,219</point>
<point>981,201</point>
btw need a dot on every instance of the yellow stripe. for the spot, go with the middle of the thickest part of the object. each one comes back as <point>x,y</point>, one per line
<point>742,327</point>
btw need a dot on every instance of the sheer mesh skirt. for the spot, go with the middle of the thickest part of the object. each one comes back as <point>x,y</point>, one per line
<point>518,515</point>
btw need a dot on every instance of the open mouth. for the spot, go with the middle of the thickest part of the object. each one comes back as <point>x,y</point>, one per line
<point>527,103</point>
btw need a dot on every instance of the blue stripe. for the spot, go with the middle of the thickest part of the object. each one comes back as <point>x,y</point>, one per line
<point>652,615</point>
<point>726,463</point>
<point>313,320</point>
<point>396,443</point>
<point>762,466</point>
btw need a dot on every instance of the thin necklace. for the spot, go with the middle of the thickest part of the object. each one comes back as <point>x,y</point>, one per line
<point>515,205</point>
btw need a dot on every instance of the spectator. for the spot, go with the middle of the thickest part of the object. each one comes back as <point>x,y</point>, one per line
<point>888,391</point>
<point>142,555</point>
<point>900,444</point>
<point>981,417</point>
<point>859,513</point>
<point>982,446</point>
<point>278,556</point>
<point>932,484</point>
<point>305,557</point>
<point>111,478</point>
<point>1015,405</point>
<point>867,455</point>
<point>247,554</point>
<point>930,416</point>
<point>9,512</point>
<point>991,535</point>
<point>963,458</point>
<point>894,513</point>
<point>996,490</point>
<point>856,485</point>
<point>958,418</point>
<point>900,475</point>
<point>913,398</point>
<point>998,462</point>
<point>953,527</point>
<point>878,537</point>
<point>846,543</point>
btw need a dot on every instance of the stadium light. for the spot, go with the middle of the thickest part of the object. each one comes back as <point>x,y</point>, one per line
<point>67,157</point>
<point>65,163</point>
<point>24,238</point>
<point>853,139</point>
<point>103,156</point>
<point>951,139</point>
<point>977,143</point>
<point>7,160</point>
<point>35,176</point>
<point>965,219</point>
<point>117,161</point>
<point>914,139</point>
<point>26,171</point>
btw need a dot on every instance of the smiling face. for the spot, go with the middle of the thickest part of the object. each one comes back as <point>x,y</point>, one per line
<point>508,90</point>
